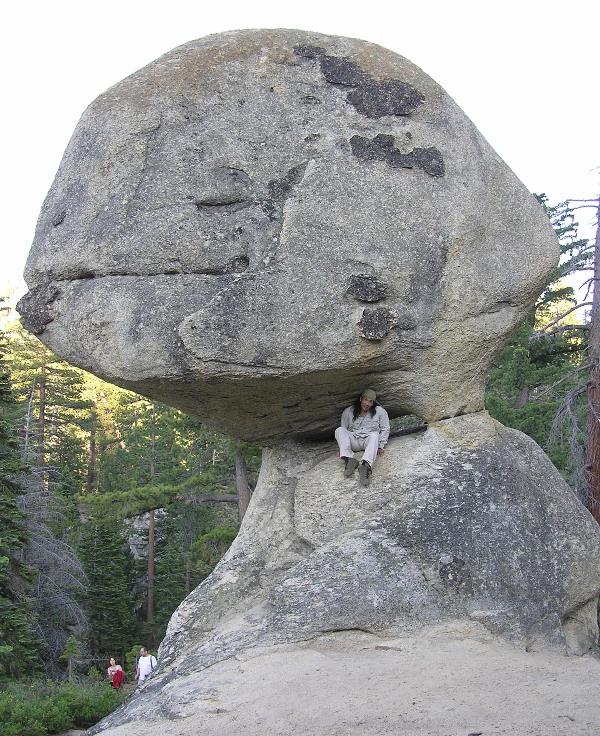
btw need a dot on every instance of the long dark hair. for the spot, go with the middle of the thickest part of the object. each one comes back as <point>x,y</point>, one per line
<point>356,407</point>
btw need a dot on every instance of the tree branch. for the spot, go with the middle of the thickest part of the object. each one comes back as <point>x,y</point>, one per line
<point>537,397</point>
<point>222,498</point>
<point>567,328</point>
<point>562,316</point>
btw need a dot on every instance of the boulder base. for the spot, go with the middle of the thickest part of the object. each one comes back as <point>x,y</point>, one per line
<point>451,679</point>
<point>468,524</point>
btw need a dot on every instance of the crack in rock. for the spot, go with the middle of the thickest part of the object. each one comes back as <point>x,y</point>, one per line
<point>279,191</point>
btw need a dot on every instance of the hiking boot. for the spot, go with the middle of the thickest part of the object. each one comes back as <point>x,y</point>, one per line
<point>351,465</point>
<point>364,473</point>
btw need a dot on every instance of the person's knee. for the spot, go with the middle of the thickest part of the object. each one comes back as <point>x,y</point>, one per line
<point>374,436</point>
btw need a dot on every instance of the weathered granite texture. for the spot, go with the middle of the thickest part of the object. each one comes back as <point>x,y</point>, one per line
<point>256,226</point>
<point>467,522</point>
<point>223,220</point>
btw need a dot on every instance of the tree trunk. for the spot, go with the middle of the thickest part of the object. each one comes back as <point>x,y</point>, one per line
<point>151,531</point>
<point>188,576</point>
<point>42,426</point>
<point>151,524</point>
<point>90,483</point>
<point>42,413</point>
<point>28,421</point>
<point>241,481</point>
<point>522,398</point>
<point>593,390</point>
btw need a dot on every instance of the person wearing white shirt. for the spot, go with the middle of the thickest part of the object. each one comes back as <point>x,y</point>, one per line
<point>145,665</point>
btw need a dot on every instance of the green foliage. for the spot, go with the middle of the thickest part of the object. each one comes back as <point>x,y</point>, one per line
<point>72,649</point>
<point>538,374</point>
<point>18,645</point>
<point>131,658</point>
<point>54,410</point>
<point>208,549</point>
<point>107,564</point>
<point>41,708</point>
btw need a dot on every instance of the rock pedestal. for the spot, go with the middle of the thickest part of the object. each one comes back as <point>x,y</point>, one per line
<point>468,524</point>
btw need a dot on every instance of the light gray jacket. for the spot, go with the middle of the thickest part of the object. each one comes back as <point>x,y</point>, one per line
<point>363,426</point>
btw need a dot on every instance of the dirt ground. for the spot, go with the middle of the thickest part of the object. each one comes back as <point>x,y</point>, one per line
<point>449,681</point>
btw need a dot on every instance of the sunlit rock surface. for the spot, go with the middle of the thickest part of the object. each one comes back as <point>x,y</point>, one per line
<point>280,218</point>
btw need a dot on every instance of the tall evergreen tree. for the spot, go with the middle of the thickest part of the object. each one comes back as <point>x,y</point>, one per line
<point>107,563</point>
<point>55,417</point>
<point>53,445</point>
<point>18,645</point>
<point>537,382</point>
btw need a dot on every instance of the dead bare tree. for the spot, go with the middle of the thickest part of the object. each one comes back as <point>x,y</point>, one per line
<point>567,424</point>
<point>60,581</point>
<point>592,464</point>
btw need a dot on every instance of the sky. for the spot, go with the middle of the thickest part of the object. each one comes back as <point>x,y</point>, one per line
<point>524,72</point>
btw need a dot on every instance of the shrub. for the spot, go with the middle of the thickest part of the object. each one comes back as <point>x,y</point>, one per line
<point>40,708</point>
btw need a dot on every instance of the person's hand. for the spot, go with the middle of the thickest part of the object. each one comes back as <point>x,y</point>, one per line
<point>380,451</point>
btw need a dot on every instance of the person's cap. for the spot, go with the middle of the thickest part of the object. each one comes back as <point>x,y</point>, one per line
<point>368,394</point>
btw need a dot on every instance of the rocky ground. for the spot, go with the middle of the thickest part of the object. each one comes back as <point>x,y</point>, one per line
<point>451,680</point>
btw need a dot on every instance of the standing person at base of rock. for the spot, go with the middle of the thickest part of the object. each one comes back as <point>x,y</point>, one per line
<point>364,426</point>
<point>145,665</point>
<point>115,673</point>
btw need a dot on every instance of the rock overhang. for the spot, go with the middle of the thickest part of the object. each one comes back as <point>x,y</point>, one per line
<point>259,223</point>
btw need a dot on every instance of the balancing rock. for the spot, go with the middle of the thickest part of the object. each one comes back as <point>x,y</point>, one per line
<point>223,220</point>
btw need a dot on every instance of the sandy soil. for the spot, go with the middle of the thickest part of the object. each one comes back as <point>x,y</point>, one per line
<point>449,681</point>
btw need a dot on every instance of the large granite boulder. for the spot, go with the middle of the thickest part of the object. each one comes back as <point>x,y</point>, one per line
<point>468,524</point>
<point>253,228</point>
<point>278,218</point>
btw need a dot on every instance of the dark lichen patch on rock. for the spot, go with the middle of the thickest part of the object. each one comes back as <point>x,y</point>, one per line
<point>375,324</point>
<point>382,148</point>
<point>370,97</point>
<point>390,97</point>
<point>33,307</point>
<point>309,52</point>
<point>342,71</point>
<point>367,288</point>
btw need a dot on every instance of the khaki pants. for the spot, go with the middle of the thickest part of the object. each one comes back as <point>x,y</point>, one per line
<point>349,443</point>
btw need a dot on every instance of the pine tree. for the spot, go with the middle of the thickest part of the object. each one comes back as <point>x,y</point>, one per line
<point>18,645</point>
<point>107,562</point>
<point>56,415</point>
<point>536,379</point>
<point>53,446</point>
